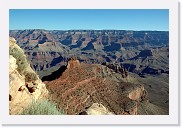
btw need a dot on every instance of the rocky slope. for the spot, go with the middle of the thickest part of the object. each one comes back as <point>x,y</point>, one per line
<point>24,84</point>
<point>82,86</point>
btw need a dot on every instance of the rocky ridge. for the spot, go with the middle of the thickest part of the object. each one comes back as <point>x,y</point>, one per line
<point>83,85</point>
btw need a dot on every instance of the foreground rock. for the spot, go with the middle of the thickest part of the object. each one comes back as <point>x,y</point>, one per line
<point>96,109</point>
<point>22,91</point>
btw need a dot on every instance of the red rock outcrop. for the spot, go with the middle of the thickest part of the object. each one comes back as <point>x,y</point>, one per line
<point>73,63</point>
<point>82,84</point>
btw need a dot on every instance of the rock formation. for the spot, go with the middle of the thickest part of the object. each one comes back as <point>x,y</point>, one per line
<point>22,90</point>
<point>81,85</point>
<point>73,63</point>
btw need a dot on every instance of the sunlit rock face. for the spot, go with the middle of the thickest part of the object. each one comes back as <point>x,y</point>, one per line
<point>21,92</point>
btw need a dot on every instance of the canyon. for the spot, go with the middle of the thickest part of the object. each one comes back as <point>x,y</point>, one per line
<point>113,71</point>
<point>138,51</point>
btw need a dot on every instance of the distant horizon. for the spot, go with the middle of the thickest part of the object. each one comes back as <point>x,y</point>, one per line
<point>88,19</point>
<point>84,30</point>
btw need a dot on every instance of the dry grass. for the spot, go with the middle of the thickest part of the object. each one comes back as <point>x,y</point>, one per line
<point>43,107</point>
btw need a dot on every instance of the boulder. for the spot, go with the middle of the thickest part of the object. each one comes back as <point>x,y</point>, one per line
<point>98,109</point>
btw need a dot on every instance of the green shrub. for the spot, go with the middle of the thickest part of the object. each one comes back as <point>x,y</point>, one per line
<point>21,60</point>
<point>30,76</point>
<point>23,65</point>
<point>44,107</point>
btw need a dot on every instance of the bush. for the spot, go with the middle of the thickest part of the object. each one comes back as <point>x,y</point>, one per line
<point>23,64</point>
<point>30,76</point>
<point>21,60</point>
<point>44,107</point>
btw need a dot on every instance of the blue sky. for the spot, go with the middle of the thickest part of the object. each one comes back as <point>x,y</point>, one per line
<point>95,19</point>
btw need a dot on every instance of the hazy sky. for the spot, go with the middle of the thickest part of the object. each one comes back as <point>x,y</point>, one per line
<point>66,19</point>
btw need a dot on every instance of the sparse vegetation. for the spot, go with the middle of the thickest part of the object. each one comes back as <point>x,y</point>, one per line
<point>30,76</point>
<point>43,107</point>
<point>23,65</point>
<point>21,60</point>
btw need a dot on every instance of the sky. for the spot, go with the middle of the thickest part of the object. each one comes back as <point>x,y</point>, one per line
<point>94,19</point>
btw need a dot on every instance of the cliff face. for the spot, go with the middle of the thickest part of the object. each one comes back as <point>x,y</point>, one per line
<point>24,84</point>
<point>94,89</point>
